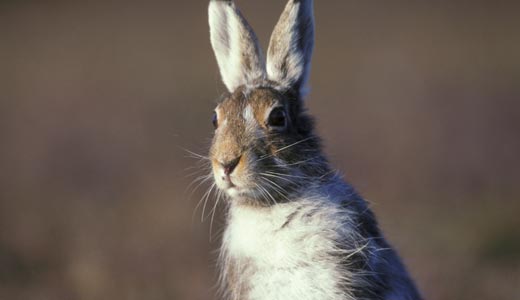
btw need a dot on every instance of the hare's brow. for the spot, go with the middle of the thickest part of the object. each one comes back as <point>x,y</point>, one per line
<point>222,97</point>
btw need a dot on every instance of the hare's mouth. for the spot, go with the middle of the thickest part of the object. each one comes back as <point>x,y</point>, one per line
<point>230,187</point>
<point>236,191</point>
<point>228,182</point>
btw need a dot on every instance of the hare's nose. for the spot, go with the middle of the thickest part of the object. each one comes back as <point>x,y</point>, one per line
<point>230,166</point>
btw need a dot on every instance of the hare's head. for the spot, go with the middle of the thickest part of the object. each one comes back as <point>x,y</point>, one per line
<point>263,149</point>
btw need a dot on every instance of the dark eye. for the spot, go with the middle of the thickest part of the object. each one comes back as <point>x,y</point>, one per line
<point>214,120</point>
<point>277,118</point>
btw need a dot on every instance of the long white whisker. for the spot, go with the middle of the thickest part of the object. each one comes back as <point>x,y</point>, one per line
<point>284,148</point>
<point>199,166</point>
<point>287,175</point>
<point>277,176</point>
<point>260,190</point>
<point>293,144</point>
<point>200,202</point>
<point>198,182</point>
<point>206,196</point>
<point>267,192</point>
<point>219,194</point>
<point>302,161</point>
<point>276,187</point>
<point>195,155</point>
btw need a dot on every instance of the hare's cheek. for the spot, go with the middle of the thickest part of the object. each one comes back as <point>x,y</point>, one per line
<point>248,168</point>
<point>241,168</point>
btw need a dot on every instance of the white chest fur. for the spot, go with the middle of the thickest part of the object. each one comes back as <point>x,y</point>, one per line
<point>278,244</point>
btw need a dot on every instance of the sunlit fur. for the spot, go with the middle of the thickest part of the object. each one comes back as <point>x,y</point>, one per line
<point>291,45</point>
<point>238,53</point>
<point>275,163</point>
<point>295,229</point>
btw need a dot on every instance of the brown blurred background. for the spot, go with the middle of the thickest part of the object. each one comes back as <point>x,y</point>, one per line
<point>418,105</point>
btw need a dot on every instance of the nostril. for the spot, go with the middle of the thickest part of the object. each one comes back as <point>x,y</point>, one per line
<point>230,166</point>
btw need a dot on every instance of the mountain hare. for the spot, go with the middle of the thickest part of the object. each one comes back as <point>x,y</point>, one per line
<point>295,229</point>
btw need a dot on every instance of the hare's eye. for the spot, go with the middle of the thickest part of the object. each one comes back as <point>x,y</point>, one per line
<point>214,120</point>
<point>277,118</point>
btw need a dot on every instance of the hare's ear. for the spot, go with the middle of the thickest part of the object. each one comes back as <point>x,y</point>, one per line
<point>236,47</point>
<point>291,45</point>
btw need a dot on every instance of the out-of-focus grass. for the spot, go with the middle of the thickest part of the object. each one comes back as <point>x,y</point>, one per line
<point>417,104</point>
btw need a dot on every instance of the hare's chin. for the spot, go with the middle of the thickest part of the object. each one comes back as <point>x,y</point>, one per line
<point>230,188</point>
<point>238,192</point>
<point>233,192</point>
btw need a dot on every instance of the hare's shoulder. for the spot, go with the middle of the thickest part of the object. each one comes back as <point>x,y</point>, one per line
<point>325,245</point>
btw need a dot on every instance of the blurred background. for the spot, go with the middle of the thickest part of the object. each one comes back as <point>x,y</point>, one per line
<point>418,105</point>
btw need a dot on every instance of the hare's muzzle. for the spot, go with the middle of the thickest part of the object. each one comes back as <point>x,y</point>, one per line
<point>229,166</point>
<point>227,174</point>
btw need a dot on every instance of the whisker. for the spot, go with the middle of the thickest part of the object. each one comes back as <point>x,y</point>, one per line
<point>268,194</point>
<point>276,187</point>
<point>206,196</point>
<point>219,194</point>
<point>198,166</point>
<point>260,190</point>
<point>302,161</point>
<point>293,144</point>
<point>200,180</point>
<point>195,155</point>
<point>288,175</point>
<point>284,148</point>
<point>201,201</point>
<point>277,176</point>
<point>327,173</point>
